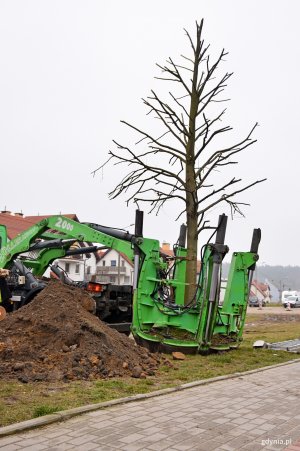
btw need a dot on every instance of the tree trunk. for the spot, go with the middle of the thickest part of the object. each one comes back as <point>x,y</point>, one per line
<point>191,194</point>
<point>191,222</point>
<point>192,244</point>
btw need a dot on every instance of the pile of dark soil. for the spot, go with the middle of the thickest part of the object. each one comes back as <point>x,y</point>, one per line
<point>55,338</point>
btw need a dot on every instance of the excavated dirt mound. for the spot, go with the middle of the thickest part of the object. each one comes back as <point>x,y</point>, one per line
<point>55,338</point>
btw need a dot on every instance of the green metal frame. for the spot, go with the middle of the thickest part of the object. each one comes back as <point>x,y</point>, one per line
<point>232,314</point>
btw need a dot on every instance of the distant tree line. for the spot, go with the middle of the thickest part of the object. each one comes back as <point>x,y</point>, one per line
<point>283,277</point>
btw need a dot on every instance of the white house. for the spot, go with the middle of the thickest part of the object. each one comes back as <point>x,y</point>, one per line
<point>78,267</point>
<point>113,267</point>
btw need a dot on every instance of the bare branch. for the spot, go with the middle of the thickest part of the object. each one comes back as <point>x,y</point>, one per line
<point>173,72</point>
<point>213,159</point>
<point>102,166</point>
<point>180,104</point>
<point>215,191</point>
<point>227,197</point>
<point>207,140</point>
<point>135,159</point>
<point>188,59</point>
<point>207,124</point>
<point>170,113</point>
<point>165,146</point>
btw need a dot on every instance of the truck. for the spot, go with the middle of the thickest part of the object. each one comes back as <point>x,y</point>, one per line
<point>160,318</point>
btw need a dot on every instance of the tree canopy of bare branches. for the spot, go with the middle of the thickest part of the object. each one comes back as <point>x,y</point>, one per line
<point>182,160</point>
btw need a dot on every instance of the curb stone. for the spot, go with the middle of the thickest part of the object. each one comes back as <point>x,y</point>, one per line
<point>67,414</point>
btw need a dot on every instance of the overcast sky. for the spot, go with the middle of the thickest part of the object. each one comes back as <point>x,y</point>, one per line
<point>71,70</point>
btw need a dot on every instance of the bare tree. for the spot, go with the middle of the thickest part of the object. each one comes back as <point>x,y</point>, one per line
<point>180,163</point>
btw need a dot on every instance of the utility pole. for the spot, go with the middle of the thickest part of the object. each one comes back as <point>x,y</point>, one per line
<point>281,289</point>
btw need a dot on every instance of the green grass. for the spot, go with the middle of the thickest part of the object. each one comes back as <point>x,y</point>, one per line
<point>45,410</point>
<point>20,402</point>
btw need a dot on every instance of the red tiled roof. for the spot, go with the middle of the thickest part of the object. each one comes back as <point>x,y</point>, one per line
<point>167,252</point>
<point>260,286</point>
<point>126,258</point>
<point>17,224</point>
<point>102,254</point>
<point>170,253</point>
<point>40,217</point>
<point>198,266</point>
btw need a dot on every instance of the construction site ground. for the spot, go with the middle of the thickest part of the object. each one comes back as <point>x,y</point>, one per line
<point>278,310</point>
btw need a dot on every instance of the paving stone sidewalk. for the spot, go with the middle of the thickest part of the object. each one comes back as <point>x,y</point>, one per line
<point>252,412</point>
